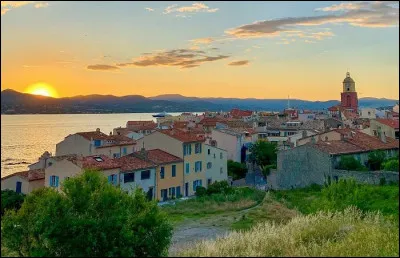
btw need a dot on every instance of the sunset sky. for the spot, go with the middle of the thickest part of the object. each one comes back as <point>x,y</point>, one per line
<point>203,49</point>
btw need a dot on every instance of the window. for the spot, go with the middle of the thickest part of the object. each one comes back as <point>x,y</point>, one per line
<point>187,168</point>
<point>112,179</point>
<point>209,181</point>
<point>18,187</point>
<point>196,183</point>
<point>50,163</point>
<point>197,148</point>
<point>197,166</point>
<point>178,191</point>
<point>164,194</point>
<point>54,181</point>
<point>221,170</point>
<point>172,191</point>
<point>124,150</point>
<point>214,155</point>
<point>162,173</point>
<point>209,151</point>
<point>209,165</point>
<point>220,155</point>
<point>145,174</point>
<point>173,170</point>
<point>97,143</point>
<point>116,155</point>
<point>129,177</point>
<point>98,159</point>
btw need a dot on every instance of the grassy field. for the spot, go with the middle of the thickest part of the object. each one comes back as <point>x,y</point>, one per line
<point>240,199</point>
<point>343,233</point>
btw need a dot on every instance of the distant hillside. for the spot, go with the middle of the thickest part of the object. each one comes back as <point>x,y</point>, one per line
<point>13,102</point>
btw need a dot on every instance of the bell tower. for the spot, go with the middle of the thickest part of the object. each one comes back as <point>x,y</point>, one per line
<point>349,99</point>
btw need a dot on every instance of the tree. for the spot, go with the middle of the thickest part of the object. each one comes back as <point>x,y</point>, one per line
<point>263,153</point>
<point>348,162</point>
<point>236,170</point>
<point>11,200</point>
<point>391,165</point>
<point>375,159</point>
<point>89,218</point>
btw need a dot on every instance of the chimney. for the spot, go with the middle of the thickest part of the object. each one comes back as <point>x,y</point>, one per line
<point>143,153</point>
<point>98,130</point>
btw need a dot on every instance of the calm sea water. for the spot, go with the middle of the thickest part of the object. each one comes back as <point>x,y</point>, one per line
<point>25,137</point>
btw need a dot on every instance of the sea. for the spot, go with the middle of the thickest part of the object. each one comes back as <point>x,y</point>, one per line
<point>24,138</point>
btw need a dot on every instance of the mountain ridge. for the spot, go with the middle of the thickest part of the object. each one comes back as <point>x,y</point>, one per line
<point>14,102</point>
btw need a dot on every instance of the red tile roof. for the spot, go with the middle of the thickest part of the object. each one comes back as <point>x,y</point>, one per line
<point>141,125</point>
<point>183,136</point>
<point>158,156</point>
<point>129,163</point>
<point>30,175</point>
<point>95,135</point>
<point>180,124</point>
<point>334,108</point>
<point>389,122</point>
<point>106,163</point>
<point>211,121</point>
<point>241,113</point>
<point>356,141</point>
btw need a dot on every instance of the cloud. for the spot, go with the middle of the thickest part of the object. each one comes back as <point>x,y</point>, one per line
<point>239,63</point>
<point>309,41</point>
<point>202,40</point>
<point>101,67</point>
<point>7,6</point>
<point>149,9</point>
<point>196,7</point>
<point>361,14</point>
<point>183,58</point>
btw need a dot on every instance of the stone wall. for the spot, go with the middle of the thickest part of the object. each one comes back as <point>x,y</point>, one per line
<point>368,177</point>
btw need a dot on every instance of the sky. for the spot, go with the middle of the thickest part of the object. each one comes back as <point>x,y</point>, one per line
<point>205,49</point>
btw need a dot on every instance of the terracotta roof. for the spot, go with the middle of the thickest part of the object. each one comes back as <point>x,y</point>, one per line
<point>116,144</point>
<point>334,108</point>
<point>210,121</point>
<point>389,122</point>
<point>141,125</point>
<point>129,163</point>
<point>30,175</point>
<point>182,136</point>
<point>95,135</point>
<point>355,141</point>
<point>180,124</point>
<point>241,113</point>
<point>158,156</point>
<point>106,163</point>
<point>123,131</point>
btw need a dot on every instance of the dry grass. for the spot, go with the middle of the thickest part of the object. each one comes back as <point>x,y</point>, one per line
<point>347,233</point>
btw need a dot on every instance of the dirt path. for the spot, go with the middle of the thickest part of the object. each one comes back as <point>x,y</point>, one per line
<point>210,227</point>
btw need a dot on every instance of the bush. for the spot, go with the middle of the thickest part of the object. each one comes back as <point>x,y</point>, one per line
<point>90,218</point>
<point>236,170</point>
<point>340,234</point>
<point>201,191</point>
<point>391,165</point>
<point>11,200</point>
<point>375,159</point>
<point>350,163</point>
<point>221,187</point>
<point>263,153</point>
<point>266,170</point>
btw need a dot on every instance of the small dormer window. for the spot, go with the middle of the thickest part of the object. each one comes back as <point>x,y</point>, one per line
<point>98,159</point>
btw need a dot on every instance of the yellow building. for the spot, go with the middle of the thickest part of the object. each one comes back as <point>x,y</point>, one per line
<point>169,173</point>
<point>185,145</point>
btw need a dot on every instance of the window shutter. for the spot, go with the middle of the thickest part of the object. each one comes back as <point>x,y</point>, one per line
<point>56,181</point>
<point>109,178</point>
<point>115,179</point>
<point>50,180</point>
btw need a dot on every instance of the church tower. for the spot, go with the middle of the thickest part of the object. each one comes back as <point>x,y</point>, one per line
<point>349,99</point>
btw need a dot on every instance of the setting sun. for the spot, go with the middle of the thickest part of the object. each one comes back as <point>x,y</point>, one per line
<point>42,89</point>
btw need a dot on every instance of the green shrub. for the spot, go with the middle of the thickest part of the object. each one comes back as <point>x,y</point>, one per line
<point>382,181</point>
<point>90,218</point>
<point>236,170</point>
<point>339,234</point>
<point>263,153</point>
<point>11,200</point>
<point>219,187</point>
<point>375,159</point>
<point>201,191</point>
<point>348,162</point>
<point>391,165</point>
<point>266,170</point>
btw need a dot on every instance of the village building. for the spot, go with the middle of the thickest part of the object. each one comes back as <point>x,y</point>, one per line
<point>24,181</point>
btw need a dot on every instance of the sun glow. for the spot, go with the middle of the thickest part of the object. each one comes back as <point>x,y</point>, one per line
<point>42,89</point>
